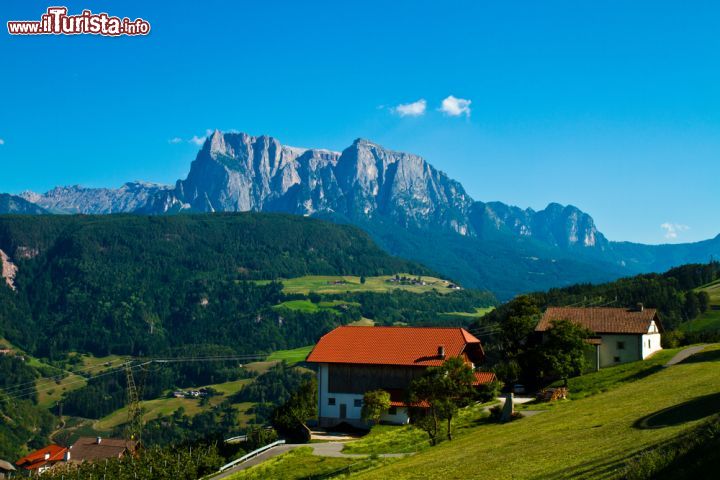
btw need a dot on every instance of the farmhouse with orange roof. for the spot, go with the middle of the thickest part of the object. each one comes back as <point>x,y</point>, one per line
<point>354,360</point>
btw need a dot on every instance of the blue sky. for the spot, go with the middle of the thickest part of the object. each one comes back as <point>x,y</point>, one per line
<point>611,106</point>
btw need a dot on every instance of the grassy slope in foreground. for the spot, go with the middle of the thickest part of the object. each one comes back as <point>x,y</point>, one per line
<point>325,284</point>
<point>588,438</point>
<point>710,320</point>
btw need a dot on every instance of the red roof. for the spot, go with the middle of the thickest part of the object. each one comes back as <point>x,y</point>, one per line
<point>37,458</point>
<point>398,399</point>
<point>484,377</point>
<point>407,346</point>
<point>603,320</point>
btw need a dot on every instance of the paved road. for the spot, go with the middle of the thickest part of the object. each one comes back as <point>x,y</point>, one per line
<point>273,452</point>
<point>683,354</point>
<point>334,449</point>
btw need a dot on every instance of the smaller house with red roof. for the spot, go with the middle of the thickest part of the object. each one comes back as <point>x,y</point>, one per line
<point>620,334</point>
<point>41,460</point>
<point>353,360</point>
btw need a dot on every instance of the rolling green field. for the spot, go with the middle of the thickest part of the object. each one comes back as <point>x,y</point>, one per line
<point>478,313</point>
<point>291,356</point>
<point>166,406</point>
<point>710,320</point>
<point>325,284</point>
<point>310,307</point>
<point>50,391</point>
<point>592,437</point>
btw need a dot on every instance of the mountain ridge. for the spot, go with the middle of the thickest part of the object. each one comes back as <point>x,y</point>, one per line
<point>390,194</point>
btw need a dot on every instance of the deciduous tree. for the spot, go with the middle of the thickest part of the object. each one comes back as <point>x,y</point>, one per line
<point>375,404</point>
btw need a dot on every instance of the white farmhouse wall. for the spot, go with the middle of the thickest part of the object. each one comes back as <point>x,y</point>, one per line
<point>400,417</point>
<point>616,349</point>
<point>330,414</point>
<point>651,343</point>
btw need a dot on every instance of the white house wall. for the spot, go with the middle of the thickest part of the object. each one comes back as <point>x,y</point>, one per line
<point>651,343</point>
<point>609,351</point>
<point>330,414</point>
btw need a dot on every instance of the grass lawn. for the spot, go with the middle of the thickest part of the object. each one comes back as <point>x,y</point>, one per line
<point>325,284</point>
<point>407,439</point>
<point>291,356</point>
<point>611,377</point>
<point>588,438</point>
<point>710,320</point>
<point>300,464</point>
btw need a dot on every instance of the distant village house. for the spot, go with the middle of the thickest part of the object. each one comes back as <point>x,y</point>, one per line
<point>619,334</point>
<point>354,360</point>
<point>6,469</point>
<point>41,460</point>
<point>90,449</point>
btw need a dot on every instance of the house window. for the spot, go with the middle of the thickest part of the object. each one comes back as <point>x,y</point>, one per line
<point>331,401</point>
<point>392,411</point>
<point>616,359</point>
<point>357,402</point>
<point>649,343</point>
<point>621,345</point>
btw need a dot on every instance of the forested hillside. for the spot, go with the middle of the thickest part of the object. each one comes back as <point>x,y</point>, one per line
<point>133,285</point>
<point>511,344</point>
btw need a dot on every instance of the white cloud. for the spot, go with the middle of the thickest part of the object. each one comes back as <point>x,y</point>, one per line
<point>455,107</point>
<point>673,229</point>
<point>2,142</point>
<point>175,140</point>
<point>414,109</point>
<point>197,140</point>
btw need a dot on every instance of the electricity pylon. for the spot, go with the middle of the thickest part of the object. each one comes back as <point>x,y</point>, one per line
<point>134,418</point>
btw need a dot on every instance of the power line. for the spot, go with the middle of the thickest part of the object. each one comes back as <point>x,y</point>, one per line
<point>52,379</point>
<point>16,392</point>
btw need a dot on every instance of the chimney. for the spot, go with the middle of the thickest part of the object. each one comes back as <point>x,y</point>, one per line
<point>441,351</point>
<point>47,456</point>
<point>640,307</point>
<point>99,440</point>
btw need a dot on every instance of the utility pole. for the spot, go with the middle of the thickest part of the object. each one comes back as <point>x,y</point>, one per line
<point>133,404</point>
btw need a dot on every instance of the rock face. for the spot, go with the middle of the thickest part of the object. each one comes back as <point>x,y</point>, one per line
<point>18,205</point>
<point>76,199</point>
<point>408,206</point>
<point>8,270</point>
<point>557,225</point>
<point>238,172</point>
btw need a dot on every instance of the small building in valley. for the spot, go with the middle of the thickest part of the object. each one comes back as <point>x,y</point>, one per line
<point>41,460</point>
<point>6,469</point>
<point>619,334</point>
<point>90,449</point>
<point>353,360</point>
